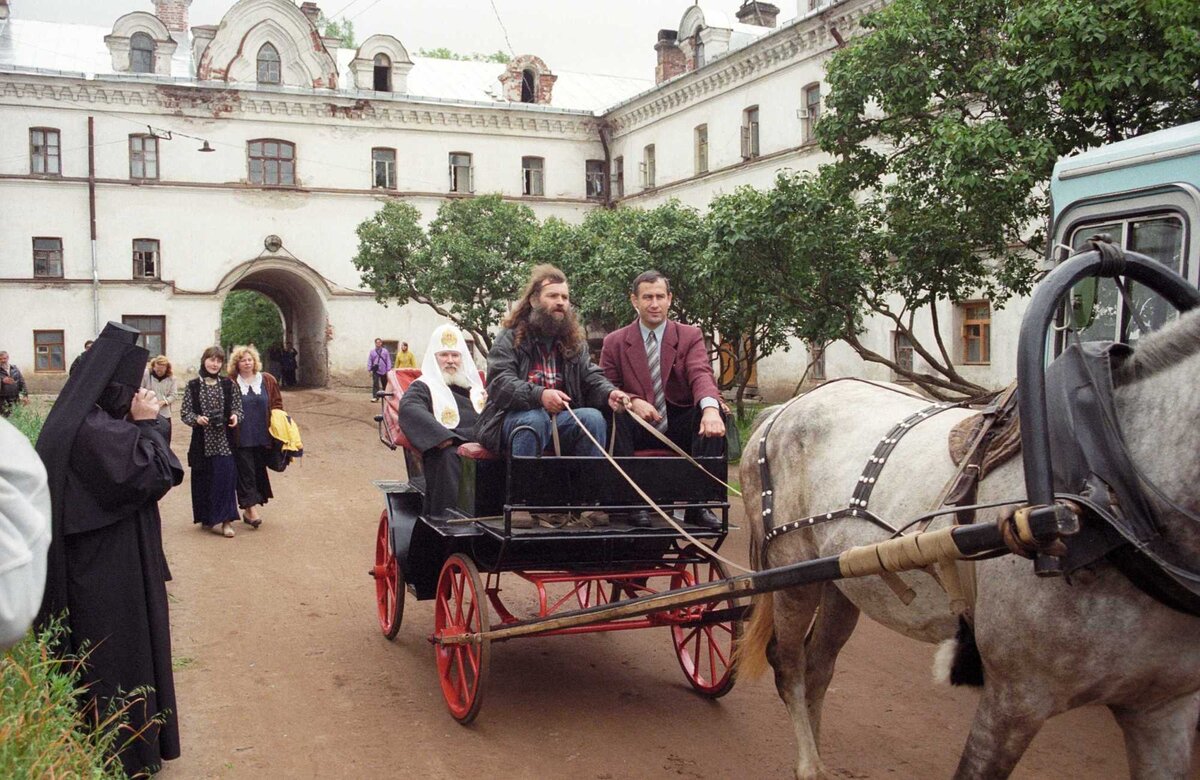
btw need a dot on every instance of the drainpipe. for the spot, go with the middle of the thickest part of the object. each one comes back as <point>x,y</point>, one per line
<point>606,182</point>
<point>92,215</point>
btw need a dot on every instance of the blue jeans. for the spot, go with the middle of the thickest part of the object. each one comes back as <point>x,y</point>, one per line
<point>573,440</point>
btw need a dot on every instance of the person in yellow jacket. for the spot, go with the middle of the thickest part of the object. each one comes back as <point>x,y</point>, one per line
<point>405,358</point>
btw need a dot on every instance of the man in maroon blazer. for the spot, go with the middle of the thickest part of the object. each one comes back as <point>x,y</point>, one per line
<point>664,367</point>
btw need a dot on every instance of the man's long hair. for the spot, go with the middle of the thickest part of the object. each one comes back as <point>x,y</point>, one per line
<point>572,340</point>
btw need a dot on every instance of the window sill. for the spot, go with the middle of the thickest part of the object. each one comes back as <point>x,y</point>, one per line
<point>37,278</point>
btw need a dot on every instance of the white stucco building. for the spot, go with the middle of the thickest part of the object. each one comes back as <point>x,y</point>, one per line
<point>114,207</point>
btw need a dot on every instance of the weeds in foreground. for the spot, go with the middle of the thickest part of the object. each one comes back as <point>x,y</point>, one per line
<point>27,421</point>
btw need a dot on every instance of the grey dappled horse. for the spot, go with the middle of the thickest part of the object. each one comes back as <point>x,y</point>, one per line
<point>1047,645</point>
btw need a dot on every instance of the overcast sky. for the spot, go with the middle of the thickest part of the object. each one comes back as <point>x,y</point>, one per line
<point>592,36</point>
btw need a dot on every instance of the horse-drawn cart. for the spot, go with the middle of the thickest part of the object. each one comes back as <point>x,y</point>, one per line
<point>617,577</point>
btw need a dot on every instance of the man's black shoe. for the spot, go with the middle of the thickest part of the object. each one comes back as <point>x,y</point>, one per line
<point>705,518</point>
<point>638,519</point>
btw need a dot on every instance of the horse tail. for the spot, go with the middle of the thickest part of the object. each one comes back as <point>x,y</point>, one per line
<point>957,661</point>
<point>751,652</point>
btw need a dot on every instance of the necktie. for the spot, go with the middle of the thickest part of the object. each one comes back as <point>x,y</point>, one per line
<point>660,400</point>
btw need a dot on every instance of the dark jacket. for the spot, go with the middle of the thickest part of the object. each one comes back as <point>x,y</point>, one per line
<point>509,391</point>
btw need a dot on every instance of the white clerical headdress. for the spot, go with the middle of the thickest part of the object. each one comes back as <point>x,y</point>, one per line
<point>448,338</point>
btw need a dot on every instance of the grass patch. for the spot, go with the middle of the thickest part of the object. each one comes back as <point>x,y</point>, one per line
<point>42,733</point>
<point>27,421</point>
<point>181,662</point>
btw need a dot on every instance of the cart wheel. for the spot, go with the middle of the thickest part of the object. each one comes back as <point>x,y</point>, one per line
<point>461,607</point>
<point>389,582</point>
<point>705,651</point>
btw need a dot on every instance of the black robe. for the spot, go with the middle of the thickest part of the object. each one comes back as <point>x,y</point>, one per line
<point>442,467</point>
<point>115,578</point>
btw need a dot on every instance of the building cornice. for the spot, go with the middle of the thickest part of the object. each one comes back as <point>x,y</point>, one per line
<point>802,39</point>
<point>212,101</point>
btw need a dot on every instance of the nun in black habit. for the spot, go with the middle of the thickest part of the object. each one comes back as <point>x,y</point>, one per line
<point>439,411</point>
<point>108,466</point>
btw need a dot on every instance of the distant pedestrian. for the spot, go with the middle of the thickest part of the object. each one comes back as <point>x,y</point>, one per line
<point>75,363</point>
<point>12,386</point>
<point>252,439</point>
<point>287,364</point>
<point>404,358</point>
<point>213,407</point>
<point>379,362</point>
<point>159,379</point>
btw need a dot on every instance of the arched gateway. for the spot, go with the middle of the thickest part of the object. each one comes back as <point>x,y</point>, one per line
<point>300,293</point>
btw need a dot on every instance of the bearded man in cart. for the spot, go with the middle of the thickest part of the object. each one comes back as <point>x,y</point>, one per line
<point>440,411</point>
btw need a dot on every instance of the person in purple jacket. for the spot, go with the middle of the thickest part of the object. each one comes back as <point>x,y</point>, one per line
<point>378,363</point>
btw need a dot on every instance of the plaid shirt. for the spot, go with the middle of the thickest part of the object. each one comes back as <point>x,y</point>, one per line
<point>544,370</point>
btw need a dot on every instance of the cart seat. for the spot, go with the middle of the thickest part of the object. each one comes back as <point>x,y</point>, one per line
<point>476,451</point>
<point>653,454</point>
<point>399,380</point>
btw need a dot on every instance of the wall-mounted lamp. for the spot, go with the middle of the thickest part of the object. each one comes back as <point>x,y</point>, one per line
<point>206,148</point>
<point>167,135</point>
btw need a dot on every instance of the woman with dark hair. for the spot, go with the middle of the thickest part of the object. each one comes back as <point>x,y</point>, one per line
<point>252,440</point>
<point>213,408</point>
<point>159,379</point>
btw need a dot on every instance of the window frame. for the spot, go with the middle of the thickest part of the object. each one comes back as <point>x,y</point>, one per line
<point>529,78</point>
<point>810,116</point>
<point>816,361</point>
<point>593,179</point>
<point>984,337</point>
<point>700,138</point>
<point>43,152</point>
<point>750,130</point>
<point>280,160</point>
<point>157,260</point>
<point>381,72</point>
<point>389,174</point>
<point>455,183</point>
<point>533,177</point>
<point>648,167</point>
<point>153,52</point>
<point>276,64</point>
<point>144,334</point>
<point>139,156</point>
<point>61,262</point>
<point>618,177</point>
<point>62,353</point>
<point>912,355</point>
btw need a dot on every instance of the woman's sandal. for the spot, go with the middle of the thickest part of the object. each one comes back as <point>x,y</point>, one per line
<point>253,523</point>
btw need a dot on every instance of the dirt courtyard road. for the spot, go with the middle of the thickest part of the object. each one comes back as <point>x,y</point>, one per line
<point>282,671</point>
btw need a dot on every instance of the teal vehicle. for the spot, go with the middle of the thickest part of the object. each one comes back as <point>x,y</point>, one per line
<point>1145,194</point>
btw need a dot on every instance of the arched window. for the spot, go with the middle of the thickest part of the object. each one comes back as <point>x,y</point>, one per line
<point>383,73</point>
<point>141,53</point>
<point>268,65</point>
<point>528,90</point>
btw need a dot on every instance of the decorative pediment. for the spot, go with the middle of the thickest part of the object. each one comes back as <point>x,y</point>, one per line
<point>526,79</point>
<point>232,54</point>
<point>382,51</point>
<point>154,43</point>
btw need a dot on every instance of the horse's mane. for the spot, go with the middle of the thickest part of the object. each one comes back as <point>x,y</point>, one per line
<point>1161,349</point>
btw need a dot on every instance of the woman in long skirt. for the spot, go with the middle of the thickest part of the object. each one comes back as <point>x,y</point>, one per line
<point>252,440</point>
<point>212,406</point>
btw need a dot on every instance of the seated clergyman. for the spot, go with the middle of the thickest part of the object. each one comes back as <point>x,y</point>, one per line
<point>439,412</point>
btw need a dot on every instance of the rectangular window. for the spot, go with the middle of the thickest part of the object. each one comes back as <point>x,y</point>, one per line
<point>750,133</point>
<point>48,258</point>
<point>702,149</point>
<point>976,332</point>
<point>383,161</point>
<point>816,361</point>
<point>533,180</point>
<point>593,179</point>
<point>902,353</point>
<point>272,162</point>
<point>462,172</point>
<point>153,331</point>
<point>618,177</point>
<point>143,157</point>
<point>48,352</point>
<point>145,258</point>
<point>648,167</point>
<point>811,112</point>
<point>45,151</point>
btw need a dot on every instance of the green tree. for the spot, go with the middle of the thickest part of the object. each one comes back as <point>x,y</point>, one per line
<point>945,122</point>
<point>442,53</point>
<point>469,265</point>
<point>343,30</point>
<point>248,317</point>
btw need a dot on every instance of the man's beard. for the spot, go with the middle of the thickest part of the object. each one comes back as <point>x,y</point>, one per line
<point>456,379</point>
<point>543,324</point>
